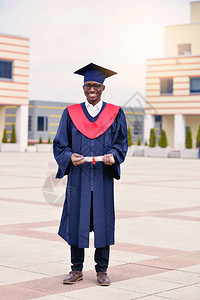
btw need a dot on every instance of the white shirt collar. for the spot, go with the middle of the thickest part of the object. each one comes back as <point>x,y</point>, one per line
<point>93,110</point>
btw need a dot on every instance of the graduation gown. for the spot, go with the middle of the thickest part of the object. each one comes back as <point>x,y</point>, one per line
<point>70,138</point>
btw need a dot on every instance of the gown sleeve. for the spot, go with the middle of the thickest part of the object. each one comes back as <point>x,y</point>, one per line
<point>119,145</point>
<point>62,145</point>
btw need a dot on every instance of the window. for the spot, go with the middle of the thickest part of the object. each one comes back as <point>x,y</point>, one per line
<point>184,49</point>
<point>137,127</point>
<point>29,123</point>
<point>42,123</point>
<point>5,69</point>
<point>158,118</point>
<point>166,86</point>
<point>195,85</point>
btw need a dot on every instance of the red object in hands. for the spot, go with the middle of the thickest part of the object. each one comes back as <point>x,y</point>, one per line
<point>93,160</point>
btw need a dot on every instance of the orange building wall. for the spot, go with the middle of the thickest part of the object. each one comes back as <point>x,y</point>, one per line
<point>181,101</point>
<point>15,91</point>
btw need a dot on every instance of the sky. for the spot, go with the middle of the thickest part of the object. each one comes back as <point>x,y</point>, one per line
<point>66,35</point>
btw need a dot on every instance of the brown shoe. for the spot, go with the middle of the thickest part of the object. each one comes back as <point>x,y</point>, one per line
<point>102,278</point>
<point>73,277</point>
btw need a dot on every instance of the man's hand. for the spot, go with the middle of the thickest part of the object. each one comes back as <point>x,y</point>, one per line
<point>108,159</point>
<point>77,159</point>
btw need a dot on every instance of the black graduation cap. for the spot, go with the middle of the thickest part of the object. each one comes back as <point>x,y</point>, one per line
<point>94,72</point>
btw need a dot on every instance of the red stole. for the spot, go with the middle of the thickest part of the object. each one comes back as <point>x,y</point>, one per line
<point>95,129</point>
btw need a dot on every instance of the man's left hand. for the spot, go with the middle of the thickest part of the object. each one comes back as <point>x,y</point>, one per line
<point>108,159</point>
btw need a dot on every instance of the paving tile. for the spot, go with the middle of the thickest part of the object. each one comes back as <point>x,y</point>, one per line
<point>145,231</point>
<point>51,269</point>
<point>14,245</point>
<point>11,212</point>
<point>153,297</point>
<point>54,285</point>
<point>195,213</point>
<point>145,285</point>
<point>147,243</point>
<point>174,262</point>
<point>18,293</point>
<point>18,262</point>
<point>128,257</point>
<point>61,254</point>
<point>180,277</point>
<point>99,293</point>
<point>52,229</point>
<point>11,275</point>
<point>2,283</point>
<point>184,293</point>
<point>54,297</point>
<point>192,269</point>
<point>144,249</point>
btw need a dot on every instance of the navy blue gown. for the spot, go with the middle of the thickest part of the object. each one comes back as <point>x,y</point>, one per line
<point>75,220</point>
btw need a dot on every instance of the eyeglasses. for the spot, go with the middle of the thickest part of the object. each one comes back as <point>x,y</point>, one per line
<point>88,86</point>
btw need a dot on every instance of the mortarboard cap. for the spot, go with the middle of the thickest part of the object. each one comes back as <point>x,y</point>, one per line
<point>94,72</point>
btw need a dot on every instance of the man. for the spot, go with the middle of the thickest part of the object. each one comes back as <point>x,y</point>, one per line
<point>90,144</point>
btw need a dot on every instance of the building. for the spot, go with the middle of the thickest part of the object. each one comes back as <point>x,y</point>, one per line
<point>134,112</point>
<point>39,118</point>
<point>44,117</point>
<point>173,83</point>
<point>14,82</point>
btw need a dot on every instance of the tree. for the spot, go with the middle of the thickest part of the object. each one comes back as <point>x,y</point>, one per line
<point>152,139</point>
<point>163,139</point>
<point>49,140</point>
<point>146,143</point>
<point>139,141</point>
<point>188,142</point>
<point>40,140</point>
<point>129,137</point>
<point>5,137</point>
<point>198,138</point>
<point>13,135</point>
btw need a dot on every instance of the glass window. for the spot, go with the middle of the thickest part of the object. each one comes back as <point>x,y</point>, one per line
<point>5,69</point>
<point>184,49</point>
<point>166,86</point>
<point>195,85</point>
<point>158,118</point>
<point>29,123</point>
<point>137,127</point>
<point>42,123</point>
<point>46,123</point>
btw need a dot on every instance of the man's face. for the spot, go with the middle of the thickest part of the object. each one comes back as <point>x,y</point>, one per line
<point>93,93</point>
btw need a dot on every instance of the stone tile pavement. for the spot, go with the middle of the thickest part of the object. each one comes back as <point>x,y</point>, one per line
<point>157,251</point>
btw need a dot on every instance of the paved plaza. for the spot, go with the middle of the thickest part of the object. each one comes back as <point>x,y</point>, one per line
<point>157,250</point>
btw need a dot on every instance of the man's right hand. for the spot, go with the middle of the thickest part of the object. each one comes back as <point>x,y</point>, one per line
<point>77,159</point>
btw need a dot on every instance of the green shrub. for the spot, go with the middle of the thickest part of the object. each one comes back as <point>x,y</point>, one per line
<point>49,140</point>
<point>152,139</point>
<point>129,137</point>
<point>188,142</point>
<point>13,135</point>
<point>40,140</point>
<point>146,143</point>
<point>198,138</point>
<point>139,141</point>
<point>5,137</point>
<point>163,139</point>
